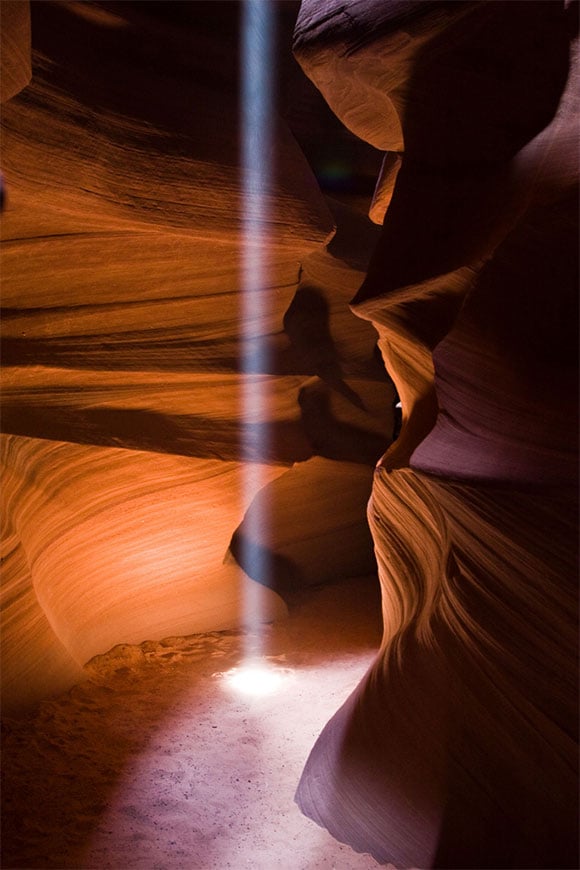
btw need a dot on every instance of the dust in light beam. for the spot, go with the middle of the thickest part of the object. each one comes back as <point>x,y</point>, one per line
<point>257,77</point>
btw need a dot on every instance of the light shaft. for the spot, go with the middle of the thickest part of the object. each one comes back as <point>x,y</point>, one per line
<point>257,112</point>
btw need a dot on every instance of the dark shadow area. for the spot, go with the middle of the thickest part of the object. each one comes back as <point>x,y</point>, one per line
<point>137,71</point>
<point>179,353</point>
<point>307,325</point>
<point>356,235</point>
<point>284,576</point>
<point>266,567</point>
<point>475,96</point>
<point>182,434</point>
<point>336,440</point>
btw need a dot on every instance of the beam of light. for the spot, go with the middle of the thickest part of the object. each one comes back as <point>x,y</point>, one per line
<point>256,679</point>
<point>257,112</point>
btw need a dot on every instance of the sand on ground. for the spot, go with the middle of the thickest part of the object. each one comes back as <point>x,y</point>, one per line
<point>155,762</point>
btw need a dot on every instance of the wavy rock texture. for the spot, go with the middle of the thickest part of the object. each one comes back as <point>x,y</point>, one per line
<point>118,543</point>
<point>127,445</point>
<point>15,60</point>
<point>459,748</point>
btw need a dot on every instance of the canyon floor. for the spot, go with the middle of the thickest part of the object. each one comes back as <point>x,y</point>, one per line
<point>156,762</point>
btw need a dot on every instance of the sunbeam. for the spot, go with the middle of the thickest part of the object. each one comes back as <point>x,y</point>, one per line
<point>257,64</point>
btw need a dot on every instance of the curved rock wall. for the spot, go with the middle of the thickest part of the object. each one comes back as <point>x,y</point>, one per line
<point>459,748</point>
<point>123,422</point>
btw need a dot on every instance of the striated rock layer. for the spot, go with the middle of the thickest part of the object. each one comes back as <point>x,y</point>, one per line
<point>129,458</point>
<point>111,544</point>
<point>459,748</point>
<point>15,60</point>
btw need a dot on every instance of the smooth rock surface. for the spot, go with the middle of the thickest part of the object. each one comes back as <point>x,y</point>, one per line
<point>129,456</point>
<point>459,747</point>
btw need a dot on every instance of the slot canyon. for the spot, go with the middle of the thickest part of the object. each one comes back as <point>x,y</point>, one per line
<point>289,390</point>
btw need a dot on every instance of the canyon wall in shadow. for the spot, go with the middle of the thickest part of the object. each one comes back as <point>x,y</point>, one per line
<point>459,749</point>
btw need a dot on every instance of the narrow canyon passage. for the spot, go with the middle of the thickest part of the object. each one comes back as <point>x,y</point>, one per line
<point>299,383</point>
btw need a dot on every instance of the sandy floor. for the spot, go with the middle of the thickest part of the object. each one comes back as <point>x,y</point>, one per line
<point>157,763</point>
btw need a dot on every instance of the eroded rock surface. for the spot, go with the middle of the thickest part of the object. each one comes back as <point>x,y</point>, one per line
<point>459,749</point>
<point>126,443</point>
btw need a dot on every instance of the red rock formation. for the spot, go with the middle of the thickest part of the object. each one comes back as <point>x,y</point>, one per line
<point>459,749</point>
<point>124,474</point>
<point>122,388</point>
<point>15,60</point>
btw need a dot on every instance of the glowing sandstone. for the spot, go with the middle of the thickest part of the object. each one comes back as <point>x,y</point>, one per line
<point>459,748</point>
<point>122,346</point>
<point>122,338</point>
<point>118,545</point>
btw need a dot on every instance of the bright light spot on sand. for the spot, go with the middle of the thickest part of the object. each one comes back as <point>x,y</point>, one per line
<point>256,679</point>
